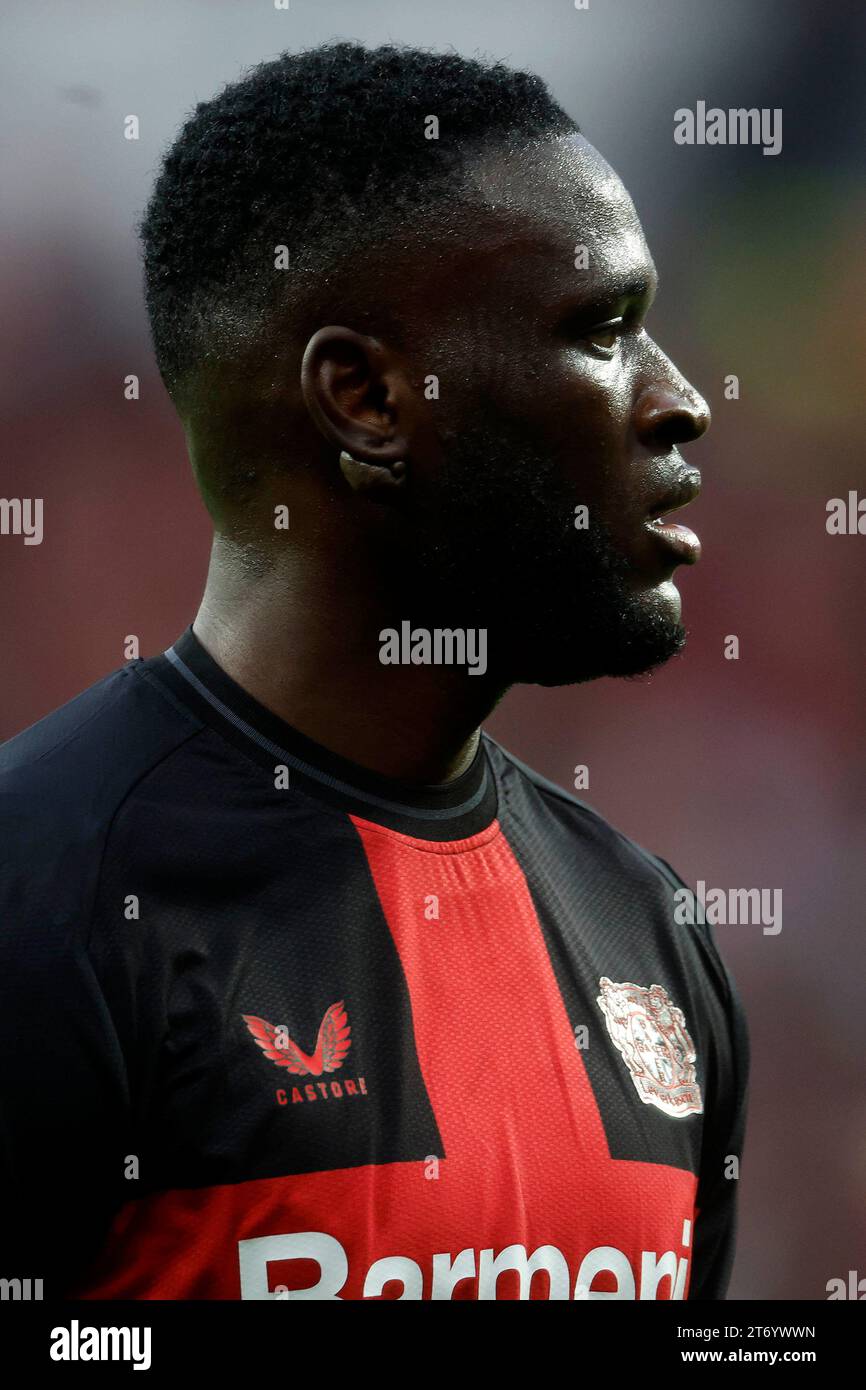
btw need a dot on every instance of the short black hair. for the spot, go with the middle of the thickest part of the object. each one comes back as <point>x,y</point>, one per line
<point>325,153</point>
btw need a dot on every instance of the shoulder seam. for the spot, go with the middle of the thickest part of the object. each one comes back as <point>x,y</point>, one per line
<point>109,824</point>
<point>140,670</point>
<point>119,674</point>
<point>544,784</point>
<point>661,867</point>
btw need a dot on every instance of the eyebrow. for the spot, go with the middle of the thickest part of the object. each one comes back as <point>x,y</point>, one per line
<point>600,300</point>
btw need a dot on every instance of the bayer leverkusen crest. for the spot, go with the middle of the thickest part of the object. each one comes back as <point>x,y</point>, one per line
<point>650,1032</point>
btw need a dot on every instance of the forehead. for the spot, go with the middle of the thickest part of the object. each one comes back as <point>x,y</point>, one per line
<point>538,203</point>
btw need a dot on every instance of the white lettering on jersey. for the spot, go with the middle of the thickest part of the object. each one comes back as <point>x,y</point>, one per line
<point>654,1271</point>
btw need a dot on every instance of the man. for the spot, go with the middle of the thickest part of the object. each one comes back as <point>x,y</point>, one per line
<point>309,988</point>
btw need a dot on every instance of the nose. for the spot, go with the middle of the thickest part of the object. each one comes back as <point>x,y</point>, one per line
<point>670,411</point>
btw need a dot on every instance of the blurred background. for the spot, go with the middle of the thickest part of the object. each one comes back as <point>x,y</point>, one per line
<point>745,773</point>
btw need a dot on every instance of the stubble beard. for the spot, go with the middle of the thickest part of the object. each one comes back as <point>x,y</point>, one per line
<point>498,549</point>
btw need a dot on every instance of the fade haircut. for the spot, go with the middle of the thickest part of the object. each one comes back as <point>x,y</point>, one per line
<point>323,152</point>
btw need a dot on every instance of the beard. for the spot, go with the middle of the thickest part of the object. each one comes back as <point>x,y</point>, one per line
<point>496,548</point>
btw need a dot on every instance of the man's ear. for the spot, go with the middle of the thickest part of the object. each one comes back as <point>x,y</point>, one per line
<point>357,395</point>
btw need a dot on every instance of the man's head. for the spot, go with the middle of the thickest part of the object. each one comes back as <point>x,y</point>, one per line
<point>417,262</point>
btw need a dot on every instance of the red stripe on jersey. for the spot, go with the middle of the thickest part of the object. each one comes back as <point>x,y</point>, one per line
<point>526,1180</point>
<point>526,1157</point>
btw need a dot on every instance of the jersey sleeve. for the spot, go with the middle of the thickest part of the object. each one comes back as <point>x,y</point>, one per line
<point>63,1089</point>
<point>69,1042</point>
<point>727,1098</point>
<point>718,1184</point>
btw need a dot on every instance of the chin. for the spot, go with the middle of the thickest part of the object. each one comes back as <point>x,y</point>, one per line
<point>626,650</point>
<point>666,599</point>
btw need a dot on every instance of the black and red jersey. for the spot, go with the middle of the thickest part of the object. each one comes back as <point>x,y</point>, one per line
<point>272,1026</point>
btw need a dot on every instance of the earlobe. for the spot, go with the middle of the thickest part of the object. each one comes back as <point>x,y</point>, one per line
<point>379,481</point>
<point>350,384</point>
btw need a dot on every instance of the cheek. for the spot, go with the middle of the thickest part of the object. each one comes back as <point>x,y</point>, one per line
<point>575,409</point>
<point>586,418</point>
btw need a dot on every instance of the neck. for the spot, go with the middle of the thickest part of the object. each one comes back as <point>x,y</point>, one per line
<point>304,641</point>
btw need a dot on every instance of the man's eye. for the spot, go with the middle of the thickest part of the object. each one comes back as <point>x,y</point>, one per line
<point>604,338</point>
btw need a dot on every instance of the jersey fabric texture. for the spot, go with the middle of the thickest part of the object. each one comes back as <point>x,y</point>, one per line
<point>273,1026</point>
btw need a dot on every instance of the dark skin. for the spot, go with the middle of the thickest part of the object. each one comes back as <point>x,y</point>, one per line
<point>557,364</point>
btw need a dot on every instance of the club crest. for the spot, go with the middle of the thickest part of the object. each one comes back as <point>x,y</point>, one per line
<point>650,1033</point>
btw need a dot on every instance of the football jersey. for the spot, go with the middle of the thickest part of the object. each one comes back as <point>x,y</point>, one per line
<point>274,1026</point>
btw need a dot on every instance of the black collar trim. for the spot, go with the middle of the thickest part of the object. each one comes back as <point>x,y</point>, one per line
<point>446,811</point>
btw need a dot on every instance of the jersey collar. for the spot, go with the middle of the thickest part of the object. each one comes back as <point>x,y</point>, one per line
<point>445,811</point>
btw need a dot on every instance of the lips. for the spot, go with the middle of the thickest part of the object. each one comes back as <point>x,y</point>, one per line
<point>678,540</point>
